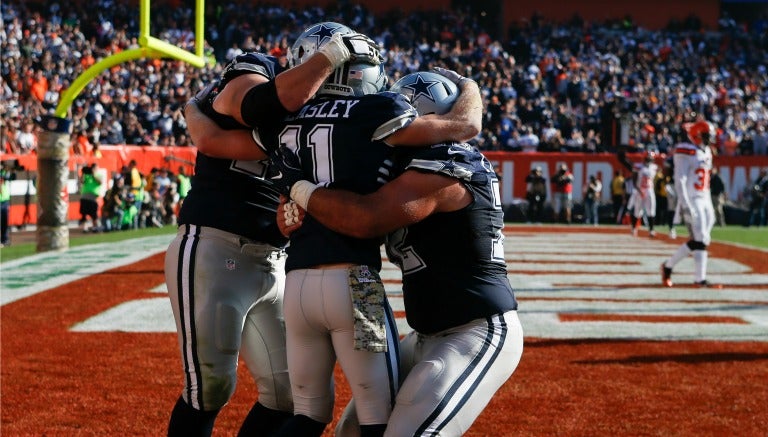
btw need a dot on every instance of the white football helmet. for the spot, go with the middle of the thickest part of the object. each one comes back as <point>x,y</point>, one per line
<point>355,79</point>
<point>429,93</point>
<point>314,37</point>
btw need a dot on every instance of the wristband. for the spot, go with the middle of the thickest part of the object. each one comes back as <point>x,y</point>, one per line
<point>302,191</point>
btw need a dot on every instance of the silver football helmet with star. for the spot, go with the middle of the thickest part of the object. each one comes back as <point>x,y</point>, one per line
<point>429,93</point>
<point>312,39</point>
<point>355,79</point>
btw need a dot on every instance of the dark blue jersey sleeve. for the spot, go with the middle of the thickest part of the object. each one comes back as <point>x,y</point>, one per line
<point>455,258</point>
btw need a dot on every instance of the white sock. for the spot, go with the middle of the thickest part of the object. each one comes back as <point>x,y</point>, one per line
<point>700,265</point>
<point>681,252</point>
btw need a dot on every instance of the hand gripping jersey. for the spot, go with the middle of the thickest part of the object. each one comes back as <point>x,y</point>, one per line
<point>340,144</point>
<point>233,195</point>
<point>453,263</point>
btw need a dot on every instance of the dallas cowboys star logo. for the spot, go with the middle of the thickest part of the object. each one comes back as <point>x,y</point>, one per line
<point>422,88</point>
<point>449,167</point>
<point>321,34</point>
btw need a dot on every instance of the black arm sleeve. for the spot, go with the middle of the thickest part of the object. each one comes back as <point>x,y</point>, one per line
<point>261,105</point>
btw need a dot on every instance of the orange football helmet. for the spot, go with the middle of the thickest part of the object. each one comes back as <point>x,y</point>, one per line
<point>700,132</point>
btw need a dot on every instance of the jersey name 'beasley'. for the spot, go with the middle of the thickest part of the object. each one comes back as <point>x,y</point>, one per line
<point>327,109</point>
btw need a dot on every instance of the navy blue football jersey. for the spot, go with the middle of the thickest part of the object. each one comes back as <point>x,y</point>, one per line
<point>453,263</point>
<point>340,144</point>
<point>234,195</point>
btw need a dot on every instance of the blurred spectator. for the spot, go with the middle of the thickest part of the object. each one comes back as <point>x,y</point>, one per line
<point>568,83</point>
<point>669,190</point>
<point>660,190</point>
<point>536,194</point>
<point>113,208</point>
<point>717,191</point>
<point>26,139</point>
<point>758,200</point>
<point>90,190</point>
<point>130,214</point>
<point>184,184</point>
<point>562,188</point>
<point>617,195</point>
<point>592,194</point>
<point>759,141</point>
<point>162,182</point>
<point>528,141</point>
<point>7,174</point>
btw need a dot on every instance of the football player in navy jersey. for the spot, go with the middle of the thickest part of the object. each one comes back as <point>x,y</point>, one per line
<point>225,268</point>
<point>443,220</point>
<point>335,306</point>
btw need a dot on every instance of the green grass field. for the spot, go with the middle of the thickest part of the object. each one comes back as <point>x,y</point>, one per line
<point>756,237</point>
<point>25,249</point>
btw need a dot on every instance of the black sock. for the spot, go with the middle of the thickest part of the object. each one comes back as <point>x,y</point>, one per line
<point>300,425</point>
<point>187,421</point>
<point>372,430</point>
<point>262,421</point>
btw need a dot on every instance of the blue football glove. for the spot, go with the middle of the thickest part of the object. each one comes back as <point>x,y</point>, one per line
<point>285,170</point>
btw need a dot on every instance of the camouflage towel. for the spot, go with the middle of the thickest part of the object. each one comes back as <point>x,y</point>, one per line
<point>368,303</point>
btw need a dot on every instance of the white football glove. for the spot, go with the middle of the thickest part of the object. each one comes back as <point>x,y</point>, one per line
<point>450,75</point>
<point>336,51</point>
<point>351,47</point>
<point>362,49</point>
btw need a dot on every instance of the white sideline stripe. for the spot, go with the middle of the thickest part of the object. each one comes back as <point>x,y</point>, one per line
<point>141,315</point>
<point>640,295</point>
<point>40,272</point>
<point>640,265</point>
<point>162,288</point>
<point>682,278</point>
<point>594,288</point>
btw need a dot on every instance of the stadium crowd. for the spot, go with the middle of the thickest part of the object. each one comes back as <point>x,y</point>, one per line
<point>546,86</point>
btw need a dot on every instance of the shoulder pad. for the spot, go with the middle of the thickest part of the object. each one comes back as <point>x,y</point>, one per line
<point>685,149</point>
<point>456,160</point>
<point>402,113</point>
<point>251,63</point>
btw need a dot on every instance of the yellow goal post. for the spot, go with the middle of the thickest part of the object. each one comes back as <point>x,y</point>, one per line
<point>149,47</point>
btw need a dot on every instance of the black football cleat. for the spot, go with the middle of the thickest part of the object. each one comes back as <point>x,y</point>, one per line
<point>666,275</point>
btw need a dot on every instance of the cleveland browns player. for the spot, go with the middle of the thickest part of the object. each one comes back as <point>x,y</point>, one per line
<point>692,170</point>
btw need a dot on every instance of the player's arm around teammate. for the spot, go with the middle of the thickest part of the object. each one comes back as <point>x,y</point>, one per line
<point>445,188</point>
<point>461,123</point>
<point>425,400</point>
<point>264,101</point>
<point>225,268</point>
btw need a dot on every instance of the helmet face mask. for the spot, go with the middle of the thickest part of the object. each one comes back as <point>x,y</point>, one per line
<point>429,93</point>
<point>313,37</point>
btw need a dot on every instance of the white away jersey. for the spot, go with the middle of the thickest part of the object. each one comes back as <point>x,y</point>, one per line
<point>693,169</point>
<point>645,176</point>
